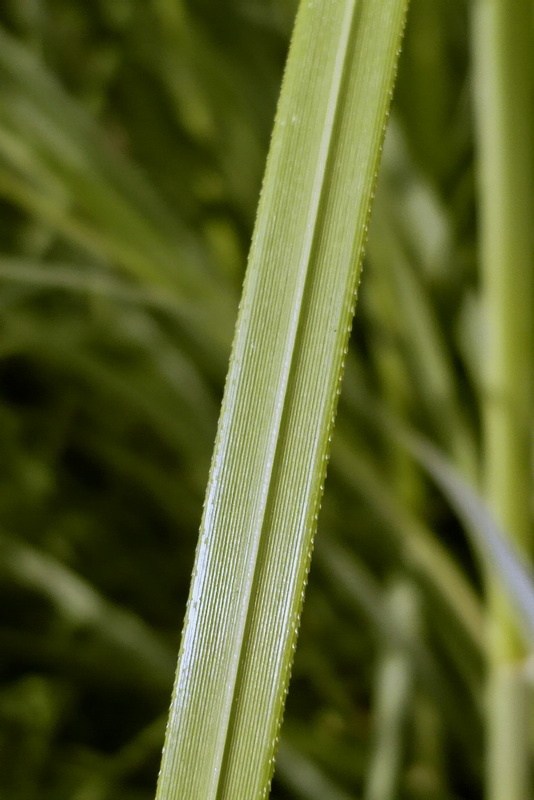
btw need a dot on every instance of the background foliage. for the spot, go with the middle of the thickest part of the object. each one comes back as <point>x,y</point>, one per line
<point>133,138</point>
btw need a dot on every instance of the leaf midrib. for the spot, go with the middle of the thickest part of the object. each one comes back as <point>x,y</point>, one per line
<point>304,269</point>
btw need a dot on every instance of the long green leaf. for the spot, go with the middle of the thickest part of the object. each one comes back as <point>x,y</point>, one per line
<point>57,165</point>
<point>490,540</point>
<point>132,643</point>
<point>498,552</point>
<point>281,395</point>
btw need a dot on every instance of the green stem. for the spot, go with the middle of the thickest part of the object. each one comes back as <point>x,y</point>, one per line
<point>503,49</point>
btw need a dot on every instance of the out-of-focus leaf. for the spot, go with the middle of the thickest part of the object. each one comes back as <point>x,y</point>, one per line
<point>494,547</point>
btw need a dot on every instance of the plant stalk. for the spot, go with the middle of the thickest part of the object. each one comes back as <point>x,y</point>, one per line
<point>503,48</point>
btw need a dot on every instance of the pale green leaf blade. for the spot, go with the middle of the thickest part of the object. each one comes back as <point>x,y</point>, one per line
<point>496,548</point>
<point>281,395</point>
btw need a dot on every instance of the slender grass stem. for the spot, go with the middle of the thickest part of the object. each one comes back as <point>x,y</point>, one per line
<point>503,53</point>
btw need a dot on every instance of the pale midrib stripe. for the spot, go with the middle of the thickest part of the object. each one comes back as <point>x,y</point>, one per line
<point>304,270</point>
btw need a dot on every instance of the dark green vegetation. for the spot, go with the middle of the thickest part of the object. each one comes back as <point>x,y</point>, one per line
<point>133,138</point>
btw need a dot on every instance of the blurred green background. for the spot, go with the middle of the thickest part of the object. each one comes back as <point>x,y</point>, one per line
<point>133,136</point>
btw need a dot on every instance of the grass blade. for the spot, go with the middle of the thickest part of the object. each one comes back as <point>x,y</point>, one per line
<point>496,549</point>
<point>281,395</point>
